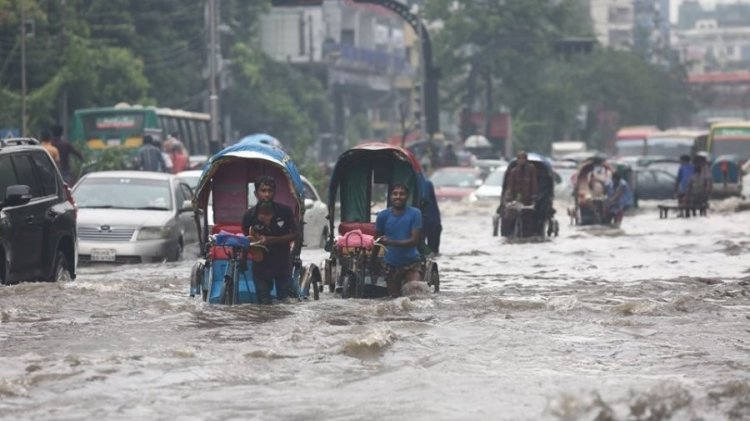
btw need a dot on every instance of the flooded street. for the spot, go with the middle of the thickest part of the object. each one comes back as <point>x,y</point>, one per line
<point>651,321</point>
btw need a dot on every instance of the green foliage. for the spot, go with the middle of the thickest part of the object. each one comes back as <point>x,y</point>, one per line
<point>500,54</point>
<point>110,159</point>
<point>277,99</point>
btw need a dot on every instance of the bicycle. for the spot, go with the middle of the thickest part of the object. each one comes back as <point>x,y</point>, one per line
<point>235,247</point>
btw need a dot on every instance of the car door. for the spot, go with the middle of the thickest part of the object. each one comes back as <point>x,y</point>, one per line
<point>664,185</point>
<point>55,208</point>
<point>27,222</point>
<point>12,226</point>
<point>646,184</point>
<point>315,217</point>
<point>186,215</point>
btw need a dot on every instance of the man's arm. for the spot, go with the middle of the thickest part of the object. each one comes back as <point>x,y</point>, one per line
<point>412,241</point>
<point>288,218</point>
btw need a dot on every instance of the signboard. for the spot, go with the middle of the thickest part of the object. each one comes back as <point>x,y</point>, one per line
<point>732,132</point>
<point>8,133</point>
<point>115,122</point>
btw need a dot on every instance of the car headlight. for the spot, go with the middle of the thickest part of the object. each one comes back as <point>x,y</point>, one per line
<point>154,233</point>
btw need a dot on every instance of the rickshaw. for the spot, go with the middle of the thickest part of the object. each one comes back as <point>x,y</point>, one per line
<point>590,191</point>
<point>361,178</point>
<point>226,186</point>
<point>508,220</point>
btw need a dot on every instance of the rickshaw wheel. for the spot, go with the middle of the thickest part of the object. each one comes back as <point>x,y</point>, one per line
<point>328,276</point>
<point>350,289</point>
<point>315,284</point>
<point>432,276</point>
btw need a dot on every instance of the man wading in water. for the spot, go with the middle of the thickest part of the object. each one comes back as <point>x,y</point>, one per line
<point>399,230</point>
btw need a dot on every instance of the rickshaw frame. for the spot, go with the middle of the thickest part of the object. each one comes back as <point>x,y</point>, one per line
<point>226,178</point>
<point>355,272</point>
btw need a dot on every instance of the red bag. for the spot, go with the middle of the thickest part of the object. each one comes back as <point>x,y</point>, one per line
<point>356,239</point>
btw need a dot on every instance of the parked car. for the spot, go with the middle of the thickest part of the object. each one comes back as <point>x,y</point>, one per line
<point>455,183</point>
<point>316,213</point>
<point>37,216</point>
<point>492,188</point>
<point>486,166</point>
<point>654,183</point>
<point>316,225</point>
<point>564,185</point>
<point>133,217</point>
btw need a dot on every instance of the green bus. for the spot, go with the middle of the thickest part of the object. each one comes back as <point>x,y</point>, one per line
<point>125,126</point>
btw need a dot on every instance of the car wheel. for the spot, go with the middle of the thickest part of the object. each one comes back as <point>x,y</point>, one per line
<point>178,253</point>
<point>3,270</point>
<point>61,272</point>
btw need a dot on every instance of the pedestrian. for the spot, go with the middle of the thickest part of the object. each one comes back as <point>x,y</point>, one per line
<point>179,157</point>
<point>149,156</point>
<point>399,229</point>
<point>66,149</point>
<point>50,148</point>
<point>619,198</point>
<point>684,175</point>
<point>450,159</point>
<point>272,225</point>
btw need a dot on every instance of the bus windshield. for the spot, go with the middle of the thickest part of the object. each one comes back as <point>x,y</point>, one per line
<point>670,147</point>
<point>109,123</point>
<point>731,141</point>
<point>630,147</point>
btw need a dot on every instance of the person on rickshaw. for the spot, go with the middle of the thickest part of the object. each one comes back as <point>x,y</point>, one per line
<point>399,229</point>
<point>619,199</point>
<point>272,225</point>
<point>523,187</point>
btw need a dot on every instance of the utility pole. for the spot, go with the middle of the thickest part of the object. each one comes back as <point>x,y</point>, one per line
<point>23,68</point>
<point>64,95</point>
<point>213,98</point>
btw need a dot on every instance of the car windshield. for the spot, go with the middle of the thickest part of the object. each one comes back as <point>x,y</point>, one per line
<point>123,193</point>
<point>453,179</point>
<point>495,178</point>
<point>190,180</point>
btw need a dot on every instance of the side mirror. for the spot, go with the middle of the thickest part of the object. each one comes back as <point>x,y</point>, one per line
<point>309,203</point>
<point>17,195</point>
<point>187,205</point>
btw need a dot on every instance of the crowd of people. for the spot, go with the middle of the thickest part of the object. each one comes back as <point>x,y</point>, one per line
<point>171,156</point>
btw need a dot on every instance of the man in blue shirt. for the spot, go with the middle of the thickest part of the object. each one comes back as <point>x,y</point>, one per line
<point>684,175</point>
<point>399,230</point>
<point>619,198</point>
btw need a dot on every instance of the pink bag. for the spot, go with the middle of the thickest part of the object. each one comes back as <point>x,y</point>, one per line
<point>354,239</point>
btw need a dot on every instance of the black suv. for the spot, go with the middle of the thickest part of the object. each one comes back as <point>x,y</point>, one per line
<point>37,216</point>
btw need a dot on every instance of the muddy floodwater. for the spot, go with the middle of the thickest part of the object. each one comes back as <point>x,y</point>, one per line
<point>650,321</point>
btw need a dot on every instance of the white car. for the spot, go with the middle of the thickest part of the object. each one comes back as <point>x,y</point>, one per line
<point>316,223</point>
<point>492,188</point>
<point>133,217</point>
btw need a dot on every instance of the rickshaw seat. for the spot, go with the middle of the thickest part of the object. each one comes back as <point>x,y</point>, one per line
<point>366,227</point>
<point>233,228</point>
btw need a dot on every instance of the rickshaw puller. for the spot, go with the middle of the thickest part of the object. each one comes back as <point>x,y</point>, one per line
<point>399,229</point>
<point>275,230</point>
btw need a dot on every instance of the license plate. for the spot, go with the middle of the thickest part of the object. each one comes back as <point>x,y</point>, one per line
<point>103,255</point>
<point>113,142</point>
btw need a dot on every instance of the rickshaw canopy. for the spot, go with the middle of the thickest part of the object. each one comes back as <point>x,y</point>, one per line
<point>227,176</point>
<point>358,168</point>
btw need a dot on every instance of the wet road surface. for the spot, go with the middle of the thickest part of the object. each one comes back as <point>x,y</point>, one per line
<point>650,321</point>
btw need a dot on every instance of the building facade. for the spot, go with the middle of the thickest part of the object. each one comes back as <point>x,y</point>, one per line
<point>362,53</point>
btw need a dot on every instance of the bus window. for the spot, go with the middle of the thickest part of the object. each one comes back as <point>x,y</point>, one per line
<point>185,133</point>
<point>203,137</point>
